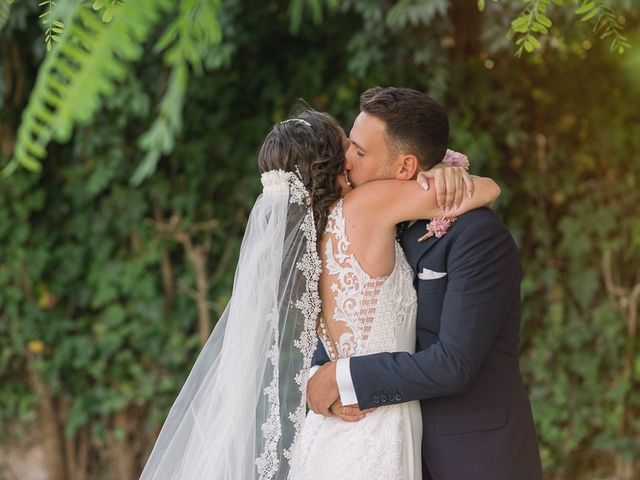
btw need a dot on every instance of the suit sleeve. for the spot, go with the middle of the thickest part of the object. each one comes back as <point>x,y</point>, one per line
<point>320,356</point>
<point>484,276</point>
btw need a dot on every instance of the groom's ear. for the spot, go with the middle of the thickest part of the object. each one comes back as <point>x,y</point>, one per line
<point>407,167</point>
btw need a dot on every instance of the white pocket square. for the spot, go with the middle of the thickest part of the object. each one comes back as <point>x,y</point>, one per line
<point>427,274</point>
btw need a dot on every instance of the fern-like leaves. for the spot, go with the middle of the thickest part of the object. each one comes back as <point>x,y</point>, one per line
<point>107,7</point>
<point>160,138</point>
<point>54,26</point>
<point>82,67</point>
<point>185,42</point>
<point>605,22</point>
<point>534,22</point>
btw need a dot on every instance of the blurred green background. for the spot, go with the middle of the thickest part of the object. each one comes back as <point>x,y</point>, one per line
<point>128,140</point>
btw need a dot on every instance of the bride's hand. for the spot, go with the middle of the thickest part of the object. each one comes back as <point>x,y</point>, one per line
<point>349,413</point>
<point>451,183</point>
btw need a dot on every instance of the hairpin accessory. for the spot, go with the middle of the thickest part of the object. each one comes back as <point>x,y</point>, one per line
<point>297,120</point>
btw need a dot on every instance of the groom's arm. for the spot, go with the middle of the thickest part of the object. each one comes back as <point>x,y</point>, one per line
<point>483,280</point>
<point>484,276</point>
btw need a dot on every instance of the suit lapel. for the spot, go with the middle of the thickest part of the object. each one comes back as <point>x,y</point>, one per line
<point>413,249</point>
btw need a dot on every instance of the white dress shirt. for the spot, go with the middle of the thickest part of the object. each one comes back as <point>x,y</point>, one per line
<point>344,381</point>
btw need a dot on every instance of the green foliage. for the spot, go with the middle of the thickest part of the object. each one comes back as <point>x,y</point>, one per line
<point>160,138</point>
<point>101,48</point>
<point>54,27</point>
<point>606,23</point>
<point>93,47</point>
<point>407,13</point>
<point>534,22</point>
<point>187,41</point>
<point>5,9</point>
<point>89,59</point>
<point>297,9</point>
<point>107,7</point>
<point>532,19</point>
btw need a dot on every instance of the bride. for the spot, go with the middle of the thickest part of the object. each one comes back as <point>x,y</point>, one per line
<point>241,412</point>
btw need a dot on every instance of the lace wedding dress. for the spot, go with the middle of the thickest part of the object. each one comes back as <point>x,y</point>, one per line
<point>366,315</point>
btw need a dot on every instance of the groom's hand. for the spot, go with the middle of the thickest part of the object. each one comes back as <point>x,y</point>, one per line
<point>322,389</point>
<point>349,413</point>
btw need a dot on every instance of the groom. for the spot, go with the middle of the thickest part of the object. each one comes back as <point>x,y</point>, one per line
<point>477,421</point>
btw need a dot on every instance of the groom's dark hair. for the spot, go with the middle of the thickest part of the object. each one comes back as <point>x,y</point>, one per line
<point>415,122</point>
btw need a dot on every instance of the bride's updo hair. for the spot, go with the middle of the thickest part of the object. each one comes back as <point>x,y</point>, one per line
<point>312,145</point>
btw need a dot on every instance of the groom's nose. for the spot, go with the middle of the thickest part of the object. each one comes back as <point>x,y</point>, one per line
<point>348,157</point>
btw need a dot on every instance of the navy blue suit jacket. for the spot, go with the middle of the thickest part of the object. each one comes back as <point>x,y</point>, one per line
<point>476,414</point>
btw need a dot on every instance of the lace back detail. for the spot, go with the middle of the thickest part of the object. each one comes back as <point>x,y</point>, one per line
<point>352,297</point>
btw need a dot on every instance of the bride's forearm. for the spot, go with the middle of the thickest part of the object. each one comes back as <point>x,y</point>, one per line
<point>491,189</point>
<point>394,201</point>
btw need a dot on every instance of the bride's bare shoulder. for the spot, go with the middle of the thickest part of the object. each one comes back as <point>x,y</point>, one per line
<point>370,234</point>
<point>362,209</point>
<point>364,203</point>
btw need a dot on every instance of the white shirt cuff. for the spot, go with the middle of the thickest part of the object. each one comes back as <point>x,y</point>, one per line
<point>313,370</point>
<point>345,384</point>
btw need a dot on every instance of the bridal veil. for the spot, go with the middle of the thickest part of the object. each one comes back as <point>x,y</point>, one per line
<point>239,413</point>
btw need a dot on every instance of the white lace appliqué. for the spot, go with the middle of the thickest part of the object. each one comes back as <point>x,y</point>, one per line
<point>357,294</point>
<point>280,182</point>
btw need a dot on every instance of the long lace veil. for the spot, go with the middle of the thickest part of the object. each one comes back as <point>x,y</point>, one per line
<point>239,413</point>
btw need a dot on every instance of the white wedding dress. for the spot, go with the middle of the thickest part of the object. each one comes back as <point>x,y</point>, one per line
<point>367,315</point>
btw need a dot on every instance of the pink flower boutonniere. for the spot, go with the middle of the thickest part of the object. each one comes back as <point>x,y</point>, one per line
<point>437,227</point>
<point>456,159</point>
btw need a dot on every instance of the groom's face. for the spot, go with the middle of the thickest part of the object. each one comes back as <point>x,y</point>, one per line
<point>368,157</point>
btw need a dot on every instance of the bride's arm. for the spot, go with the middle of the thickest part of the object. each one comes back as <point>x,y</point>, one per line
<point>394,201</point>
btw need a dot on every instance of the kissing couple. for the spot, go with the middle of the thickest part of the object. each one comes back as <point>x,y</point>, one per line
<point>375,286</point>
